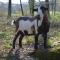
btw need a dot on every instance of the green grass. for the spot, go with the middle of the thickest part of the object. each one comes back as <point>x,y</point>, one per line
<point>6,38</point>
<point>54,39</point>
<point>55,17</point>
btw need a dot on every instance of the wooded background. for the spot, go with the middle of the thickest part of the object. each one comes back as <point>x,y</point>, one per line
<point>27,8</point>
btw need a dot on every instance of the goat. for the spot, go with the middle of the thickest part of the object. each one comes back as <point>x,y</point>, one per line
<point>34,25</point>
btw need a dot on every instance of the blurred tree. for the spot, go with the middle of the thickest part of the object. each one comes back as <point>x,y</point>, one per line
<point>21,8</point>
<point>9,9</point>
<point>52,6</point>
<point>55,7</point>
<point>57,0</point>
<point>39,0</point>
<point>47,5</point>
<point>31,6</point>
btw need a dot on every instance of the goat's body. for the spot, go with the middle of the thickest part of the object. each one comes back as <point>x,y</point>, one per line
<point>28,25</point>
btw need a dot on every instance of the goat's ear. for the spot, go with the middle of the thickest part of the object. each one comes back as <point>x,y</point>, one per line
<point>13,21</point>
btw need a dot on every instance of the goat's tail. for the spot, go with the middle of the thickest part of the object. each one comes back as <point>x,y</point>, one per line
<point>13,21</point>
<point>16,24</point>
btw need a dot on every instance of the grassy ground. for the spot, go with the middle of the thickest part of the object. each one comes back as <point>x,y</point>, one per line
<point>7,34</point>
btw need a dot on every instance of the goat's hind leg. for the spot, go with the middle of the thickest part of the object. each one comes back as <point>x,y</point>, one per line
<point>20,39</point>
<point>15,38</point>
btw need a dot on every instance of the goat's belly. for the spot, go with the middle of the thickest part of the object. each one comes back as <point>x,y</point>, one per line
<point>27,25</point>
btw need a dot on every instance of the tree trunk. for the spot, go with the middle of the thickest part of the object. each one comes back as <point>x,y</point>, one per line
<point>21,8</point>
<point>52,6</point>
<point>31,6</point>
<point>9,9</point>
<point>55,7</point>
<point>47,5</point>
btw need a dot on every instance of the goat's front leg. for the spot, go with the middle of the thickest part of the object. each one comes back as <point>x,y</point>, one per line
<point>36,42</point>
<point>45,40</point>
